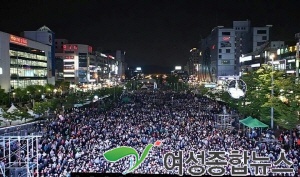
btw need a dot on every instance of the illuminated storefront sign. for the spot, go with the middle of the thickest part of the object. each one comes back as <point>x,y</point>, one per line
<point>226,38</point>
<point>70,47</point>
<point>18,40</point>
<point>286,50</point>
<point>69,57</point>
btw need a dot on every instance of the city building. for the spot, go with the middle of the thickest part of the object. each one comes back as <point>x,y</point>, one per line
<point>222,49</point>
<point>46,36</point>
<point>78,63</point>
<point>59,59</point>
<point>129,73</point>
<point>119,65</point>
<point>194,61</point>
<point>107,68</point>
<point>283,56</point>
<point>24,62</point>
<point>122,65</point>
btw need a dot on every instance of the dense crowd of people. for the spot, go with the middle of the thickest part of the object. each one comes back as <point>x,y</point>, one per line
<point>76,140</point>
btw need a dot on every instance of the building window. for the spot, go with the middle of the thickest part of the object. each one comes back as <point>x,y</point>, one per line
<point>220,56</point>
<point>225,62</point>
<point>226,33</point>
<point>264,37</point>
<point>260,43</point>
<point>220,50</point>
<point>227,50</point>
<point>261,31</point>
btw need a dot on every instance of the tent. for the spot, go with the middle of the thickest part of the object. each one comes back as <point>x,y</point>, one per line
<point>253,123</point>
<point>12,109</point>
<point>32,114</point>
<point>126,99</point>
<point>144,87</point>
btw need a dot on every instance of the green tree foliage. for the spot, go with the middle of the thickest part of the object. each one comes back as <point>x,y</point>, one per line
<point>12,116</point>
<point>4,97</point>
<point>203,90</point>
<point>40,108</point>
<point>63,85</point>
<point>172,79</point>
<point>258,100</point>
<point>23,114</point>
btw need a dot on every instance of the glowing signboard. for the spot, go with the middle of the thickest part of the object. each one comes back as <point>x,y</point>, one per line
<point>90,49</point>
<point>226,38</point>
<point>69,57</point>
<point>18,40</point>
<point>70,47</point>
<point>138,69</point>
<point>177,67</point>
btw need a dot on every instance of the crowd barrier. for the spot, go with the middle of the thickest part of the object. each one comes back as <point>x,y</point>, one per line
<point>20,130</point>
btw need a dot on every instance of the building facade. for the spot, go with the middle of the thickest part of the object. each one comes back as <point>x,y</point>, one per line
<point>284,58</point>
<point>46,36</point>
<point>24,62</point>
<point>222,49</point>
<point>78,63</point>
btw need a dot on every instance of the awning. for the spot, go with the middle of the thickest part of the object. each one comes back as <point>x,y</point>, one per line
<point>253,123</point>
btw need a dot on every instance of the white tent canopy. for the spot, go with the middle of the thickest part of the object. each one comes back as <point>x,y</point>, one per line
<point>12,109</point>
<point>32,113</point>
<point>144,87</point>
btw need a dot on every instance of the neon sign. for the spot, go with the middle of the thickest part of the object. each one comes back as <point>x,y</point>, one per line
<point>18,40</point>
<point>69,57</point>
<point>70,47</point>
<point>226,38</point>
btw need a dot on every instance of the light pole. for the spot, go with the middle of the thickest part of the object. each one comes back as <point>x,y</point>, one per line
<point>297,57</point>
<point>272,90</point>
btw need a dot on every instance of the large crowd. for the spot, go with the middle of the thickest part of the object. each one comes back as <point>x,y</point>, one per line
<point>76,140</point>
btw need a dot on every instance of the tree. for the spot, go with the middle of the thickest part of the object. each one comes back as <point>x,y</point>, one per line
<point>4,97</point>
<point>12,116</point>
<point>285,102</point>
<point>258,100</point>
<point>40,108</point>
<point>203,90</point>
<point>23,114</point>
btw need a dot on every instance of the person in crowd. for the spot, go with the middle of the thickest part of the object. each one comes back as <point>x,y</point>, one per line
<point>76,141</point>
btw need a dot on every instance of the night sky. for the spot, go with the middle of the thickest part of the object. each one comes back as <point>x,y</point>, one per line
<point>152,32</point>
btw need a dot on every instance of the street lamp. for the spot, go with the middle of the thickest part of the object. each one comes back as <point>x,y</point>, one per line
<point>14,95</point>
<point>55,90</point>
<point>272,56</point>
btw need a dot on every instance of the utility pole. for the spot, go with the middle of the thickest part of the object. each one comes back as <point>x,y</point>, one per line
<point>272,92</point>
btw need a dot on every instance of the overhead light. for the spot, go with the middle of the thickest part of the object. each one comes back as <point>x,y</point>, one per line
<point>236,93</point>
